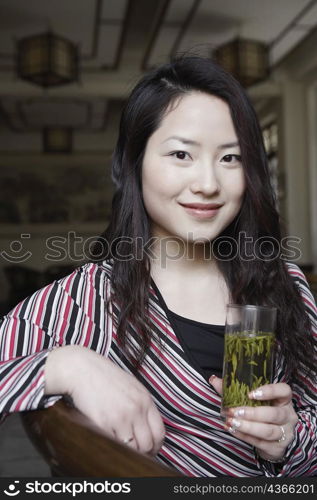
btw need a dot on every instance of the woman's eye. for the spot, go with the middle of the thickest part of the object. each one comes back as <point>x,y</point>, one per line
<point>180,155</point>
<point>231,158</point>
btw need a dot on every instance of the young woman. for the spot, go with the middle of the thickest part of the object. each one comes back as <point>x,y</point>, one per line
<point>136,337</point>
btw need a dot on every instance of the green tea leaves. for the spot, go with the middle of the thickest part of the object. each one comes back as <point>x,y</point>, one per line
<point>248,361</point>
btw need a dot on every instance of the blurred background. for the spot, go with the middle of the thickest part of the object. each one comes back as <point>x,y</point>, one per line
<point>66,67</point>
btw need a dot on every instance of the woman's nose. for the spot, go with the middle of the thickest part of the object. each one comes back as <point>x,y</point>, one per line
<point>205,180</point>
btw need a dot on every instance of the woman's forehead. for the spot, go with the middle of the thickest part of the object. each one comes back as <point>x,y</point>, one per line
<point>197,114</point>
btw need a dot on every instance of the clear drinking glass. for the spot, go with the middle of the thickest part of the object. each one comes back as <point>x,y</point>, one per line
<point>248,353</point>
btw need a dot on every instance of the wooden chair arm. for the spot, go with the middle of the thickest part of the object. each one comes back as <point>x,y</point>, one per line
<point>73,446</point>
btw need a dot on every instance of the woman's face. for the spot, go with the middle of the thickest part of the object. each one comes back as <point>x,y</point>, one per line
<point>193,158</point>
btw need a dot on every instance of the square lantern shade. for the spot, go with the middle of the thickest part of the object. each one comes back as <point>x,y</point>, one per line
<point>246,60</point>
<point>57,140</point>
<point>47,60</point>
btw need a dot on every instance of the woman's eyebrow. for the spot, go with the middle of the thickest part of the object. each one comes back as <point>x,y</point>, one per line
<point>195,143</point>
<point>183,140</point>
<point>228,145</point>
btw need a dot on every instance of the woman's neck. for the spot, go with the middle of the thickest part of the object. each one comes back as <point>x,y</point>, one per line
<point>183,260</point>
<point>192,285</point>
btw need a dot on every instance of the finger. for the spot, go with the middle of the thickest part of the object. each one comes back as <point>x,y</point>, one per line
<point>267,414</point>
<point>216,382</point>
<point>157,428</point>
<point>280,393</point>
<point>253,441</point>
<point>260,431</point>
<point>143,435</point>
<point>268,447</point>
<point>125,435</point>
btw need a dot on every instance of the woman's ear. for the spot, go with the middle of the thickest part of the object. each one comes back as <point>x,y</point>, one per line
<point>216,382</point>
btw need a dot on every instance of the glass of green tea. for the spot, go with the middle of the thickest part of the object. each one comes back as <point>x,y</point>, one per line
<point>248,353</point>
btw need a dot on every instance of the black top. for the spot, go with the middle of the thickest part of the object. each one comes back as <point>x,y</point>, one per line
<point>203,341</point>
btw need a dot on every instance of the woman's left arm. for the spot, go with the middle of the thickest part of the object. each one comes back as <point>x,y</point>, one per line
<point>284,435</point>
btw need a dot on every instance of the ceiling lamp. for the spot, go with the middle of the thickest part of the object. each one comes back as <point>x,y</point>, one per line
<point>246,60</point>
<point>47,60</point>
<point>57,140</point>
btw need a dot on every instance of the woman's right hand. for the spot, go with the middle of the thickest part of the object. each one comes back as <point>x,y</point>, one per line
<point>112,398</point>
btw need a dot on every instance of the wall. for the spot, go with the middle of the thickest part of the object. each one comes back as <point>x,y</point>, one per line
<point>291,98</point>
<point>52,209</point>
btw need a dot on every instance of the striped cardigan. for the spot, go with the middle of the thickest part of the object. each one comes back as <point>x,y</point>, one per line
<point>72,310</point>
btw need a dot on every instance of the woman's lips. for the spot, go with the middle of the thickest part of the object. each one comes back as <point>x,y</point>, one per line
<point>200,211</point>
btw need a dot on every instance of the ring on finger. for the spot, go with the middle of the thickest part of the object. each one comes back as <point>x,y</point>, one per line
<point>283,435</point>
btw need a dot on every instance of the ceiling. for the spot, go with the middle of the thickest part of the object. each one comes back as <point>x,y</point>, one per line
<point>118,40</point>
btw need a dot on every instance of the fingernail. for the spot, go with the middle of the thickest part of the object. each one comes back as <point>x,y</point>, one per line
<point>235,423</point>
<point>239,413</point>
<point>258,393</point>
<point>212,378</point>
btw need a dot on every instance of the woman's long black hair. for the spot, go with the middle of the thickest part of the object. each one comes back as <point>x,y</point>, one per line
<point>251,280</point>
